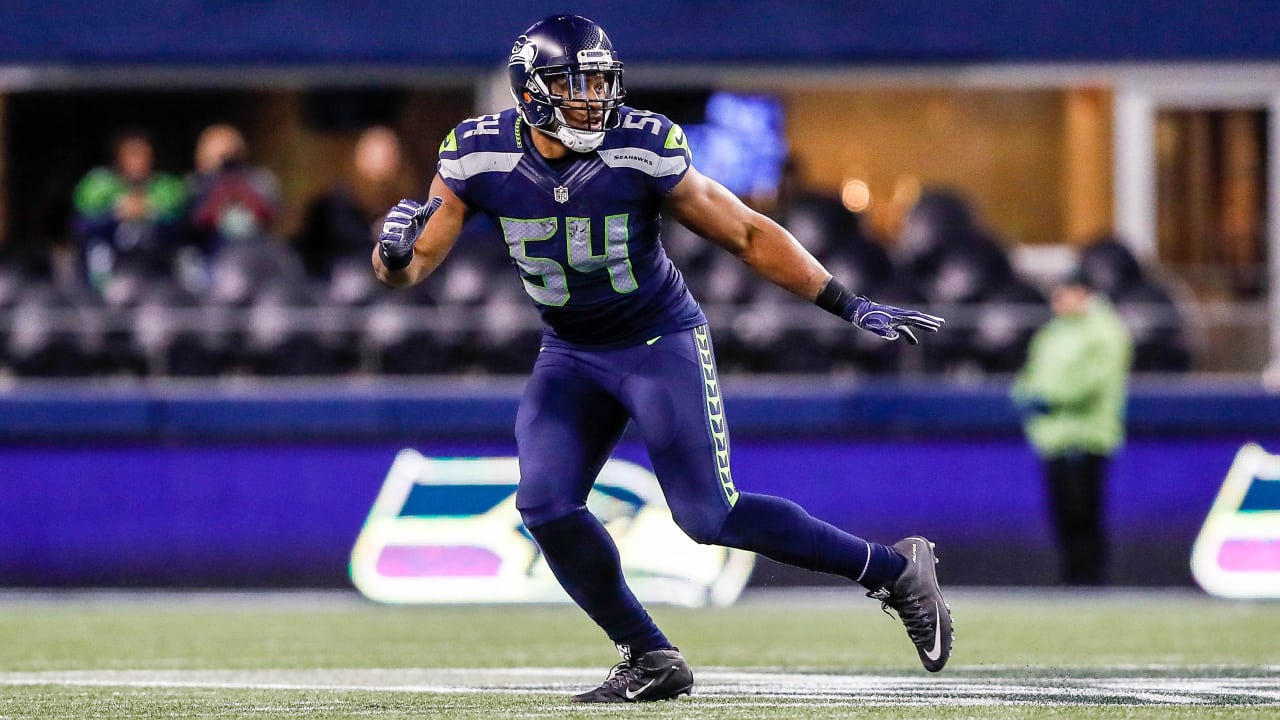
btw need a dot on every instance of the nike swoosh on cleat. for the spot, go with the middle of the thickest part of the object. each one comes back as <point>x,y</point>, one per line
<point>654,340</point>
<point>936,652</point>
<point>631,695</point>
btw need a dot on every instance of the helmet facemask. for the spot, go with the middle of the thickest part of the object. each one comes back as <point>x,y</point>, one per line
<point>567,80</point>
<point>583,100</point>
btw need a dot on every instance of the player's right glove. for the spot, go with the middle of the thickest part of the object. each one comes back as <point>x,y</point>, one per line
<point>887,321</point>
<point>400,230</point>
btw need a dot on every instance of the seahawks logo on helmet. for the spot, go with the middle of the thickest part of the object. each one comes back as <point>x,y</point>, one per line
<point>575,53</point>
<point>523,52</point>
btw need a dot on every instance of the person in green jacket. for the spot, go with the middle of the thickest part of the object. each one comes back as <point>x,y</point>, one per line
<point>1071,395</point>
<point>127,215</point>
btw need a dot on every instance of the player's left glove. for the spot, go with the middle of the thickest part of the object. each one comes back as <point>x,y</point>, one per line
<point>887,321</point>
<point>400,230</point>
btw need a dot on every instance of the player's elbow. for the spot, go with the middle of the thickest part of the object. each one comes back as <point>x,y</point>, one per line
<point>751,246</point>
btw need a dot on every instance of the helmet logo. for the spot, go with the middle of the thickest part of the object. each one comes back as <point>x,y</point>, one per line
<point>523,52</point>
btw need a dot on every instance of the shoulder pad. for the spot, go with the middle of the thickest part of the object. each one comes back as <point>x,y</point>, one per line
<point>489,143</point>
<point>499,132</point>
<point>650,130</point>
<point>649,142</point>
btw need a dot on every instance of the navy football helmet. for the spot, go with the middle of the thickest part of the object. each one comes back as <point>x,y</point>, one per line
<point>567,80</point>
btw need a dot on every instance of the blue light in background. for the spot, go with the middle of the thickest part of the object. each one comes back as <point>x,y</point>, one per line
<point>741,144</point>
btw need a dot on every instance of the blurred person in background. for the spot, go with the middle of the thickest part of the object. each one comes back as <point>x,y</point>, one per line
<point>126,216</point>
<point>1071,395</point>
<point>230,220</point>
<point>342,223</point>
<point>232,201</point>
<point>575,182</point>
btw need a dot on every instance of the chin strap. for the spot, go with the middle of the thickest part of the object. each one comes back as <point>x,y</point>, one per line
<point>582,141</point>
<point>579,141</point>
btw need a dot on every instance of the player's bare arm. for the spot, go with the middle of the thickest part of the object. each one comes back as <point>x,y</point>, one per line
<point>707,208</point>
<point>433,243</point>
<point>710,210</point>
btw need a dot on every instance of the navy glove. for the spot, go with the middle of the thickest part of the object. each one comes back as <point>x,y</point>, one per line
<point>1031,405</point>
<point>888,321</point>
<point>400,230</point>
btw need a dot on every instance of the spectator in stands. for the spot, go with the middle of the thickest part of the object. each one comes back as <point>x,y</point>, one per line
<point>126,216</point>
<point>1071,395</point>
<point>339,225</point>
<point>230,220</point>
<point>232,202</point>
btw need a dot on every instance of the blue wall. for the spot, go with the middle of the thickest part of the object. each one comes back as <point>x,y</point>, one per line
<point>208,487</point>
<point>477,34</point>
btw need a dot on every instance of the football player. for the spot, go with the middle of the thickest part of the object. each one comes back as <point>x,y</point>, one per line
<point>575,180</point>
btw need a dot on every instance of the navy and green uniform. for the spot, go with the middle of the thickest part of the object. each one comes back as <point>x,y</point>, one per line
<point>624,341</point>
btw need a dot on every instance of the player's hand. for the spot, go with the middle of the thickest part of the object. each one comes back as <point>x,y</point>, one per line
<point>889,322</point>
<point>400,230</point>
<point>1030,406</point>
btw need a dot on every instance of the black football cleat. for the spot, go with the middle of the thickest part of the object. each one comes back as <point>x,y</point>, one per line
<point>917,599</point>
<point>655,675</point>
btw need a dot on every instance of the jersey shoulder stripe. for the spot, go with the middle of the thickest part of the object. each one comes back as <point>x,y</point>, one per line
<point>649,142</point>
<point>476,163</point>
<point>489,143</point>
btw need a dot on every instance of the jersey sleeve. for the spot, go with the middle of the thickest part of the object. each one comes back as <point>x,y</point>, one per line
<point>676,155</point>
<point>477,146</point>
<point>654,145</point>
<point>449,166</point>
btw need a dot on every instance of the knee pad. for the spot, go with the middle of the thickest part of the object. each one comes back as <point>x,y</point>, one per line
<point>703,527</point>
<point>539,515</point>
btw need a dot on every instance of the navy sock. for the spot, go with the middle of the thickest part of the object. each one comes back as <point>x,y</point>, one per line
<point>584,558</point>
<point>781,530</point>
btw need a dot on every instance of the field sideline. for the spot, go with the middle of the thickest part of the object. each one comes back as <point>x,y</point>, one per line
<point>793,654</point>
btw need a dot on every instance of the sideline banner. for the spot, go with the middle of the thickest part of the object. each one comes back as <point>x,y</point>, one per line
<point>1237,553</point>
<point>446,530</point>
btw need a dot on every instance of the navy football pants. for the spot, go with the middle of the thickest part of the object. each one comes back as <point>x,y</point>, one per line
<point>577,404</point>
<point>575,407</point>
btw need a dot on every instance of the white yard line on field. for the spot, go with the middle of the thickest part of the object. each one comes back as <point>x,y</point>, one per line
<point>1250,686</point>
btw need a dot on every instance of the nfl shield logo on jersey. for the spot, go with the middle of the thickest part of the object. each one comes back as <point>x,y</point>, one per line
<point>561,194</point>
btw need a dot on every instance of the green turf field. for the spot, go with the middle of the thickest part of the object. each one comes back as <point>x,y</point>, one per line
<point>819,653</point>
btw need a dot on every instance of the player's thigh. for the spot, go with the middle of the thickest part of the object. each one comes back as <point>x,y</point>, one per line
<point>675,402</point>
<point>566,428</point>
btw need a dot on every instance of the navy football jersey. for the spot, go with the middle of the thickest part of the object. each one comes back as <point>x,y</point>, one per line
<point>582,232</point>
